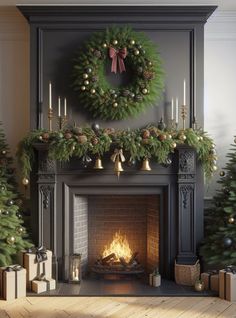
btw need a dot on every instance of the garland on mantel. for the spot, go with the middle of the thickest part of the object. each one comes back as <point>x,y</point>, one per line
<point>139,144</point>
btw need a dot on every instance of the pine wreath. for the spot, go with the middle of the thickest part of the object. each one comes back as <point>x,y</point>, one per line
<point>126,49</point>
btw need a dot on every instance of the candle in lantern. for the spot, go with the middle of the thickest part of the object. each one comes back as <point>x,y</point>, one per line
<point>184,92</point>
<point>50,95</point>
<point>65,107</point>
<point>177,111</point>
<point>59,106</point>
<point>76,274</point>
<point>172,108</point>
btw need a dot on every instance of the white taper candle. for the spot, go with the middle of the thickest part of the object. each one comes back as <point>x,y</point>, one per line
<point>50,95</point>
<point>59,106</point>
<point>65,107</point>
<point>172,108</point>
<point>184,92</point>
<point>177,110</point>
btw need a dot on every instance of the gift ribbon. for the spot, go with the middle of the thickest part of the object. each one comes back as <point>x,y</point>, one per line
<point>42,278</point>
<point>40,253</point>
<point>118,154</point>
<point>210,273</point>
<point>228,269</point>
<point>117,55</point>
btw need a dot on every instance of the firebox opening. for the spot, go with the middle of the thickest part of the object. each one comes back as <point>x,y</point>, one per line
<point>117,233</point>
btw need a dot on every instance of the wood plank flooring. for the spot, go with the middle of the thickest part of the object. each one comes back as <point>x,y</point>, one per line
<point>117,307</point>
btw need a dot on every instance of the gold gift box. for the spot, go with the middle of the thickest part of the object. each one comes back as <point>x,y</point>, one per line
<point>38,286</point>
<point>211,281</point>
<point>227,285</point>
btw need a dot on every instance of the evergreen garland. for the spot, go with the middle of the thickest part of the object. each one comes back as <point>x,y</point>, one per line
<point>143,61</point>
<point>138,144</point>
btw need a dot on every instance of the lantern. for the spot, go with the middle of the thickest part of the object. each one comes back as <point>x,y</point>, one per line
<point>75,268</point>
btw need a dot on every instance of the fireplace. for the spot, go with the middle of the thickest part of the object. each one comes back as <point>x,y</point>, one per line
<point>117,234</point>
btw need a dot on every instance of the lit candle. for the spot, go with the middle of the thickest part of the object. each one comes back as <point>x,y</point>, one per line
<point>50,95</point>
<point>59,106</point>
<point>172,108</point>
<point>65,105</point>
<point>76,274</point>
<point>177,111</point>
<point>184,92</point>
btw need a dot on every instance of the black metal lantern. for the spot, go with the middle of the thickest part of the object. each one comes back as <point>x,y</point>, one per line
<point>75,268</point>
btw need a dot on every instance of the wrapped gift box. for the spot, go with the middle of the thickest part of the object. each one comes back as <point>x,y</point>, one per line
<point>211,280</point>
<point>12,282</point>
<point>36,267</point>
<point>227,284</point>
<point>38,286</point>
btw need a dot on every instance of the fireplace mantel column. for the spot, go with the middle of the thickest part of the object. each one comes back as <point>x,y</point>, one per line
<point>186,206</point>
<point>47,203</point>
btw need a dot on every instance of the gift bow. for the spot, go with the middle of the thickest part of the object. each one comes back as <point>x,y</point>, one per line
<point>118,154</point>
<point>119,55</point>
<point>40,253</point>
<point>15,268</point>
<point>230,269</point>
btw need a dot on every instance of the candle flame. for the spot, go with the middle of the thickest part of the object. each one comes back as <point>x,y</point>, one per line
<point>119,246</point>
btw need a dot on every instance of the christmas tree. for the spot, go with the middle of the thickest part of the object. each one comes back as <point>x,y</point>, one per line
<point>219,246</point>
<point>12,233</point>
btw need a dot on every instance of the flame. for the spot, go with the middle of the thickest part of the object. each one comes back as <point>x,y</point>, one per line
<point>119,246</point>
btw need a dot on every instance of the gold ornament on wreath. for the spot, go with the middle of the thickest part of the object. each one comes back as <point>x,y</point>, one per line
<point>124,49</point>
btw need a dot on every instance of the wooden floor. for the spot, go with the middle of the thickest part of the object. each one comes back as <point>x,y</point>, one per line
<point>117,307</point>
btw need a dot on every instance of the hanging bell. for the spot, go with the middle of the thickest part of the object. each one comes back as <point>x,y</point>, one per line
<point>146,165</point>
<point>118,167</point>
<point>98,164</point>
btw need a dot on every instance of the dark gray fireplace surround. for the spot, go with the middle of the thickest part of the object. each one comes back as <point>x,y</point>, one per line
<point>55,32</point>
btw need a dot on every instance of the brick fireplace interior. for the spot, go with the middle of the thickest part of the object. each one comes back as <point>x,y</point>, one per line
<point>97,218</point>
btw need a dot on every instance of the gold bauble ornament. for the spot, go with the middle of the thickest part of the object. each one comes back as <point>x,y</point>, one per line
<point>11,240</point>
<point>182,137</point>
<point>150,63</point>
<point>200,138</point>
<point>104,45</point>
<point>231,220</point>
<point>115,105</point>
<point>25,181</point>
<point>85,75</point>
<point>199,286</point>
<point>115,42</point>
<point>4,152</point>
<point>222,173</point>
<point>132,42</point>
<point>86,82</point>
<point>136,52</point>
<point>144,91</point>
<point>92,91</point>
<point>40,137</point>
<point>174,145</point>
<point>214,168</point>
<point>20,230</point>
<point>83,88</point>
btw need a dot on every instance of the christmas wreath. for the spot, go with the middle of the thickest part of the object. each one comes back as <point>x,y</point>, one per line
<point>124,49</point>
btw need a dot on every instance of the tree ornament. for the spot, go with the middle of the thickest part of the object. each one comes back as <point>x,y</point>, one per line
<point>11,240</point>
<point>82,139</point>
<point>98,164</point>
<point>146,165</point>
<point>146,134</point>
<point>40,138</point>
<point>226,190</point>
<point>231,220</point>
<point>19,215</point>
<point>174,145</point>
<point>95,127</point>
<point>131,104</point>
<point>199,286</point>
<point>92,91</point>
<point>132,42</point>
<point>3,152</point>
<point>20,230</point>
<point>214,168</point>
<point>227,241</point>
<point>6,212</point>
<point>182,137</point>
<point>10,202</point>
<point>162,137</point>
<point>86,160</point>
<point>3,188</point>
<point>222,173</point>
<point>25,181</point>
<point>68,135</point>
<point>161,125</point>
<point>45,136</point>
<point>89,70</point>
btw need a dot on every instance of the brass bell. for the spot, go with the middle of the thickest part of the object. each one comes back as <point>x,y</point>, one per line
<point>98,164</point>
<point>118,167</point>
<point>146,165</point>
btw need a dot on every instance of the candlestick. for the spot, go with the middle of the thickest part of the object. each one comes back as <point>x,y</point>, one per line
<point>50,95</point>
<point>65,106</point>
<point>50,116</point>
<point>184,92</point>
<point>172,108</point>
<point>59,106</point>
<point>183,114</point>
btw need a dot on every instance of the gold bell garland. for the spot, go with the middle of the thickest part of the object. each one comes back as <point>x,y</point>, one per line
<point>118,158</point>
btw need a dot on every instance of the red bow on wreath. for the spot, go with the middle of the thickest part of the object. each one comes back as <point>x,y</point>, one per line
<point>119,55</point>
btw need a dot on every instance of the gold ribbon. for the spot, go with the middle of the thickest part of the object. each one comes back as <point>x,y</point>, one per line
<point>118,155</point>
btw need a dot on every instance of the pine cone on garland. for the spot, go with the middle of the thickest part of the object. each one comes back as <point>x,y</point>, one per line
<point>82,139</point>
<point>98,54</point>
<point>146,134</point>
<point>148,75</point>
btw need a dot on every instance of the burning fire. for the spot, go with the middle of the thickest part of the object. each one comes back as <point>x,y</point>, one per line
<point>120,247</point>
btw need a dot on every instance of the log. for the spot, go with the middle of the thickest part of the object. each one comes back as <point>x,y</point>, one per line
<point>123,262</point>
<point>108,257</point>
<point>134,256</point>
